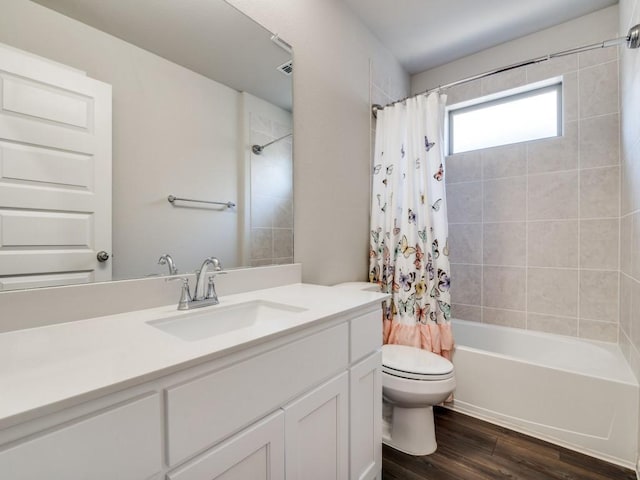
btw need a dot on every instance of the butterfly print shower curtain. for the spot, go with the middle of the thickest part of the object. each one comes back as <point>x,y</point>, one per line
<point>409,254</point>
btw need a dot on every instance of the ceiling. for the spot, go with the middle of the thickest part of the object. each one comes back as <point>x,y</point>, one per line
<point>209,37</point>
<point>423,34</point>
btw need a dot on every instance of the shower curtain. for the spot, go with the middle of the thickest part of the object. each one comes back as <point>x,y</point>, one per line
<point>409,254</point>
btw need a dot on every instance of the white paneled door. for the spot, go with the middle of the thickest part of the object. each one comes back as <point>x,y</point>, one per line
<point>55,173</point>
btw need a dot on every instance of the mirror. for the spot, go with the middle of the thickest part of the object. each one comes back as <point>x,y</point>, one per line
<point>194,84</point>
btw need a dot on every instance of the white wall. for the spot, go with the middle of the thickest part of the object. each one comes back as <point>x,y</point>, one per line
<point>174,132</point>
<point>331,142</point>
<point>592,28</point>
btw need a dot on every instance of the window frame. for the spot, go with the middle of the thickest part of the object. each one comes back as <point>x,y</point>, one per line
<point>529,90</point>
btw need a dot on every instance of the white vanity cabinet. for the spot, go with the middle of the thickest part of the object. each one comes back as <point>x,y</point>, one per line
<point>304,405</point>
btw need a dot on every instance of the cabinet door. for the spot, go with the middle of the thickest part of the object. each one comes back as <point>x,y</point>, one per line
<point>316,433</point>
<point>366,418</point>
<point>256,453</point>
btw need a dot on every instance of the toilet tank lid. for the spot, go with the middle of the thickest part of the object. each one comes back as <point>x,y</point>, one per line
<point>414,360</point>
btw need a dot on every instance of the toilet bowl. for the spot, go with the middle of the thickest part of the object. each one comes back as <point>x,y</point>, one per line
<point>413,381</point>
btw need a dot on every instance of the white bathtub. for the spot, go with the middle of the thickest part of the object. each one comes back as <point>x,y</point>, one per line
<point>572,392</point>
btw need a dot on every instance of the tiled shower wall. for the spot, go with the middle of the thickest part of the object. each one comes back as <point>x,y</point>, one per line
<point>534,226</point>
<point>271,193</point>
<point>630,192</point>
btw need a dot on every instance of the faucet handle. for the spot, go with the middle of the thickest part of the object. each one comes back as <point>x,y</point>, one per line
<point>185,294</point>
<point>211,290</point>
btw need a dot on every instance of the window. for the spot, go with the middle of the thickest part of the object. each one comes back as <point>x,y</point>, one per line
<point>510,117</point>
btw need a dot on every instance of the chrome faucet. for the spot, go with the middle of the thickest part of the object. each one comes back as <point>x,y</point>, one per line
<point>201,274</point>
<point>167,260</point>
<point>200,298</point>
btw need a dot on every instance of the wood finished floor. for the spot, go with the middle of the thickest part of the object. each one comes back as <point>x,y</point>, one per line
<point>470,449</point>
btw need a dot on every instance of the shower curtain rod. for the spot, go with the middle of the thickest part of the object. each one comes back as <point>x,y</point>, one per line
<point>632,40</point>
<point>257,149</point>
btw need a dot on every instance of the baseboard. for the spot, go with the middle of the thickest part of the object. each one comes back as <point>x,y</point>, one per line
<point>638,470</point>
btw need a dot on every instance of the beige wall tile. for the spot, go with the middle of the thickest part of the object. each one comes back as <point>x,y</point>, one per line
<point>504,244</point>
<point>282,242</point>
<point>465,243</point>
<point>504,287</point>
<point>555,153</point>
<point>552,68</point>
<point>552,291</point>
<point>595,57</point>
<point>464,202</point>
<point>599,295</point>
<point>505,318</point>
<point>630,184</point>
<point>463,92</point>
<point>635,313</point>
<point>466,284</point>
<point>600,141</point>
<point>552,243</point>
<point>505,199</point>
<point>504,81</point>
<point>599,244</point>
<point>599,192</point>
<point>626,285</point>
<point>262,263</point>
<point>283,261</point>
<point>261,211</point>
<point>626,235</point>
<point>570,96</point>
<point>282,212</point>
<point>466,312</point>
<point>552,324</point>
<point>601,331</point>
<point>463,167</point>
<point>553,196</point>
<point>261,243</point>
<point>504,161</point>
<point>598,89</point>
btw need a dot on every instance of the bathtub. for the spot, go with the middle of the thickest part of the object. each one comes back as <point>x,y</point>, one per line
<point>572,392</point>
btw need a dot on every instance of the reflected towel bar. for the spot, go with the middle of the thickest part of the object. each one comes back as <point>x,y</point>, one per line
<point>173,198</point>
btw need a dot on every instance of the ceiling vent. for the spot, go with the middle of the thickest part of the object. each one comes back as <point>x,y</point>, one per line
<point>286,68</point>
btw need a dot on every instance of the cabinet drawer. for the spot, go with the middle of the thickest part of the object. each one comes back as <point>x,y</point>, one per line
<point>204,411</point>
<point>122,443</point>
<point>366,334</point>
<point>257,452</point>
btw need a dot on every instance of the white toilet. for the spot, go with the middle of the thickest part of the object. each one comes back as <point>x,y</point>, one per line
<point>413,381</point>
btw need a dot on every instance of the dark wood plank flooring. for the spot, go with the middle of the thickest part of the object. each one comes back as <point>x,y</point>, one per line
<point>470,449</point>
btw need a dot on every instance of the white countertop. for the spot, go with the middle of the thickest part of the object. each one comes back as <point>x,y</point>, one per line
<point>49,368</point>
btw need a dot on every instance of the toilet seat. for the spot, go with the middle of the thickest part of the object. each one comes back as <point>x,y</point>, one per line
<point>415,364</point>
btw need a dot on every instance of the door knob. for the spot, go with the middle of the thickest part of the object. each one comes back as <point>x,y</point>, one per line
<point>102,256</point>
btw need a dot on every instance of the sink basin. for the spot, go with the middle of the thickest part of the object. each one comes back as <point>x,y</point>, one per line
<point>219,320</point>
